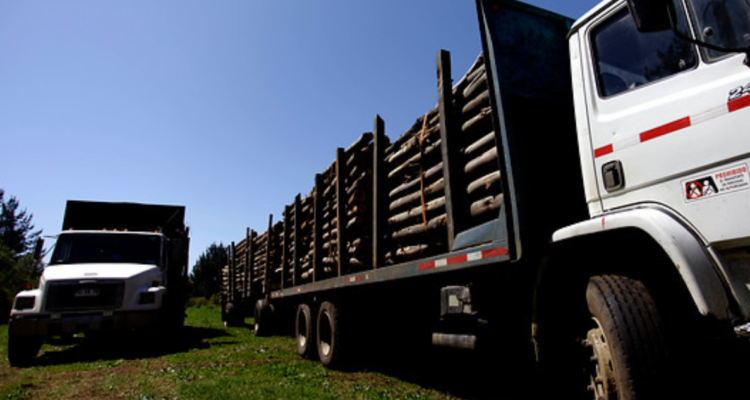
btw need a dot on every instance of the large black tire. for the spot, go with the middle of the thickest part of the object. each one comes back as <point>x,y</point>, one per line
<point>626,340</point>
<point>23,350</point>
<point>328,337</point>
<point>304,331</point>
<point>263,318</point>
<point>232,316</point>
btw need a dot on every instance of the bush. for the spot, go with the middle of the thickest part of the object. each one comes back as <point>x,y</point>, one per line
<point>199,302</point>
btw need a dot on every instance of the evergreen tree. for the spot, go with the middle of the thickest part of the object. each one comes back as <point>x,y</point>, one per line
<point>18,263</point>
<point>205,275</point>
<point>16,229</point>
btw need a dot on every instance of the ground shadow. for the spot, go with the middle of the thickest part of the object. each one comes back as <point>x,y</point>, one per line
<point>126,345</point>
<point>456,373</point>
<point>470,376</point>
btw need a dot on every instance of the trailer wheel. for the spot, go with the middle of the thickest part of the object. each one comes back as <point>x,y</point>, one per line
<point>625,342</point>
<point>304,331</point>
<point>23,350</point>
<point>263,314</point>
<point>328,336</point>
<point>231,316</point>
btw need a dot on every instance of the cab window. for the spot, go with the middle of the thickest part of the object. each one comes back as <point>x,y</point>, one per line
<point>626,59</point>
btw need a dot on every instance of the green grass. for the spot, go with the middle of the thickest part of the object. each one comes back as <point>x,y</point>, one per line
<point>207,361</point>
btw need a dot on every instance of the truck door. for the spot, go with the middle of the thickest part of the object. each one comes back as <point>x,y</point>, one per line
<point>665,120</point>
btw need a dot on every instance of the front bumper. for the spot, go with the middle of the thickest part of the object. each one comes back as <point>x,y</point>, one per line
<point>71,323</point>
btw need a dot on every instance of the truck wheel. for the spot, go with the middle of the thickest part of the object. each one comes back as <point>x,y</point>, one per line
<point>626,340</point>
<point>230,315</point>
<point>263,314</point>
<point>22,350</point>
<point>329,335</point>
<point>303,329</point>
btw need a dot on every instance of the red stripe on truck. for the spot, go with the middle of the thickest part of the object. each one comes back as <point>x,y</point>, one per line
<point>738,104</point>
<point>665,129</point>
<point>427,265</point>
<point>603,151</point>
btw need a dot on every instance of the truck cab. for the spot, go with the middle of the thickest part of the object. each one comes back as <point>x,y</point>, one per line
<point>659,112</point>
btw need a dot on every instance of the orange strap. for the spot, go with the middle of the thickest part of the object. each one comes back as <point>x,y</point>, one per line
<point>421,172</point>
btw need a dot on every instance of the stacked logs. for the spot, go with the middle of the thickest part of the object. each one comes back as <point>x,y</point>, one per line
<point>274,255</point>
<point>477,141</point>
<point>329,234</point>
<point>416,197</point>
<point>417,217</point>
<point>358,201</point>
<point>238,259</point>
<point>287,245</point>
<point>259,258</point>
<point>306,214</point>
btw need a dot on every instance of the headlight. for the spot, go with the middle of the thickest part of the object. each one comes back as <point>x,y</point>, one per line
<point>24,303</point>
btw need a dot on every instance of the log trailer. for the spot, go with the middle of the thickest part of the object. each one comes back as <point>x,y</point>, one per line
<point>115,267</point>
<point>577,205</point>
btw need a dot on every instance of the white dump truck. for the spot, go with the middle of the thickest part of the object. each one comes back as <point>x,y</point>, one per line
<point>115,266</point>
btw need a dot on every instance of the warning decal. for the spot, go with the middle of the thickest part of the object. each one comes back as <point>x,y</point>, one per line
<point>718,183</point>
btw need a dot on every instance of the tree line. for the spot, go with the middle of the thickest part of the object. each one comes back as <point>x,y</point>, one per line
<point>19,252</point>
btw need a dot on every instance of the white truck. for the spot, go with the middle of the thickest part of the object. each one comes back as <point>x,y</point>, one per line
<point>115,266</point>
<point>579,201</point>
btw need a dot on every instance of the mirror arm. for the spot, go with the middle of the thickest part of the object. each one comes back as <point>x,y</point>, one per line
<point>691,40</point>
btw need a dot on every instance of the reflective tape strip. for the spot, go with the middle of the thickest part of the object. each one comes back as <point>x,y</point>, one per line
<point>463,258</point>
<point>674,126</point>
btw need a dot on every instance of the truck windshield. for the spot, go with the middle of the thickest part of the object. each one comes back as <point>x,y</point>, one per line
<point>82,248</point>
<point>723,23</point>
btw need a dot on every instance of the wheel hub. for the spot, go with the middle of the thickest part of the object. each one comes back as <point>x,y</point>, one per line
<point>600,368</point>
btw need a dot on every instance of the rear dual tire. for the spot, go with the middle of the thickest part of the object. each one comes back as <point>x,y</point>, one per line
<point>329,335</point>
<point>263,318</point>
<point>305,332</point>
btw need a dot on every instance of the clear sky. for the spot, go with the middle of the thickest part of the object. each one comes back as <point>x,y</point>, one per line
<point>228,107</point>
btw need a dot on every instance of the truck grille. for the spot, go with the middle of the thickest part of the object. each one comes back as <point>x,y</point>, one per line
<point>84,295</point>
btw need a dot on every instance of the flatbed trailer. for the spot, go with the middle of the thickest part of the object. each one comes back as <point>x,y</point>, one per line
<point>528,215</point>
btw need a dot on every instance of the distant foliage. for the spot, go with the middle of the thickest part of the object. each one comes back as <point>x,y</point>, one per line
<point>19,264</point>
<point>16,230</point>
<point>205,277</point>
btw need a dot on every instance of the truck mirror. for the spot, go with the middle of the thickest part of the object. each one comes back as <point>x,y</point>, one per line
<point>652,15</point>
<point>38,249</point>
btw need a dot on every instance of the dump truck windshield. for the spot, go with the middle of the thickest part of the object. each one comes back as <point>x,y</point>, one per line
<point>82,248</point>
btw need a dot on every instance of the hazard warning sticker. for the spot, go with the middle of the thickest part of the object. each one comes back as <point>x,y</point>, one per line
<point>718,183</point>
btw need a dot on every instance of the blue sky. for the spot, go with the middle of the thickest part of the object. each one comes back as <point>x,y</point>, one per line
<point>228,107</point>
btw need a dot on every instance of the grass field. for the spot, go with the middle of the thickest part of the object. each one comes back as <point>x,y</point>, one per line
<point>207,361</point>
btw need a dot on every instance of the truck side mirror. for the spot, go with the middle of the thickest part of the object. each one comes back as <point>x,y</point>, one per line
<point>652,15</point>
<point>38,249</point>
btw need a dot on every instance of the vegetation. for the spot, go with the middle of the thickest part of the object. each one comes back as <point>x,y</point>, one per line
<point>205,277</point>
<point>207,361</point>
<point>18,263</point>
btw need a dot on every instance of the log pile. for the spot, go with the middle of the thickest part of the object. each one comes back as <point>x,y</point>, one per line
<point>306,228</point>
<point>274,256</point>
<point>477,141</point>
<point>358,200</point>
<point>416,206</point>
<point>238,259</point>
<point>417,215</point>
<point>416,199</point>
<point>258,259</point>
